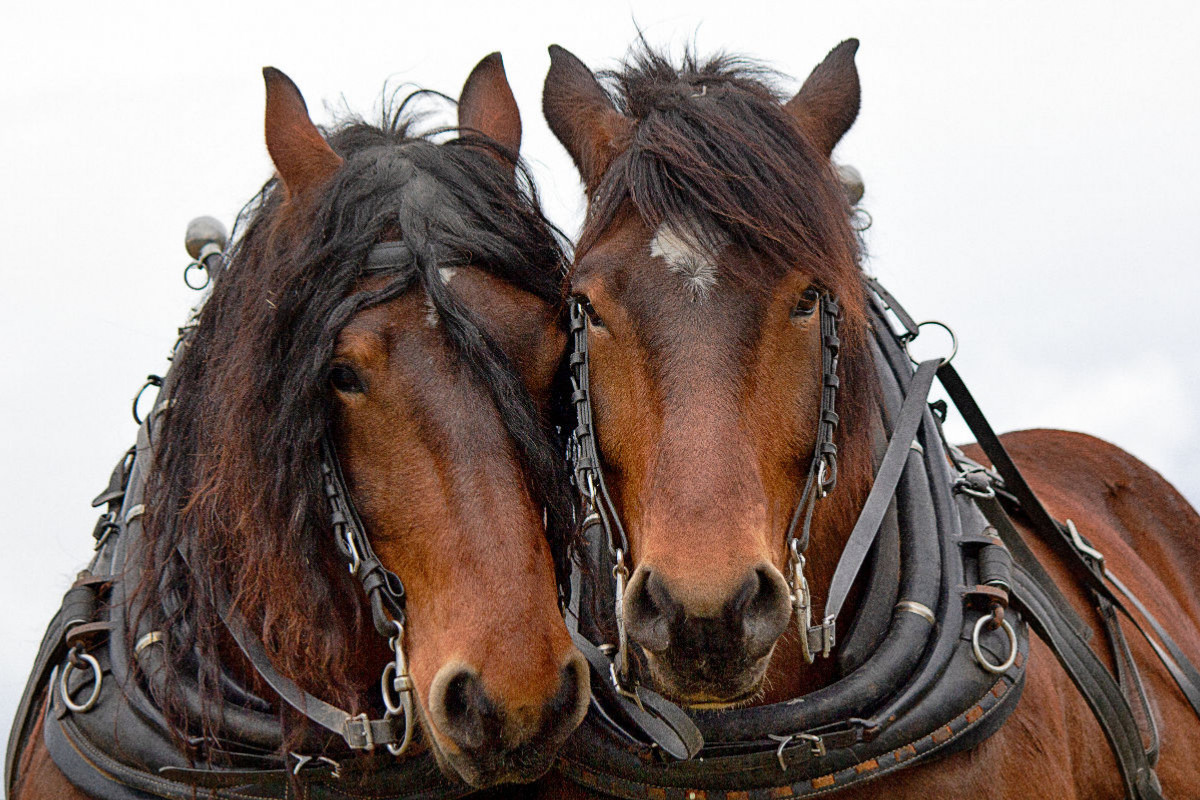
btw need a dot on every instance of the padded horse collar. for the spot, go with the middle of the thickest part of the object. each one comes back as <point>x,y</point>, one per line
<point>935,661</point>
<point>104,725</point>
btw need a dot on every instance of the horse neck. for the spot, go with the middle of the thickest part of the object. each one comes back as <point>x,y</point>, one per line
<point>788,676</point>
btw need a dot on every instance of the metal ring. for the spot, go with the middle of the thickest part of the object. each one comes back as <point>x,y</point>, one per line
<point>194,266</point>
<point>943,326</point>
<point>87,705</point>
<point>920,609</point>
<point>151,380</point>
<point>1003,667</point>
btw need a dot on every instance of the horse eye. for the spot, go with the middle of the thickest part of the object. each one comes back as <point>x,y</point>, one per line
<point>592,316</point>
<point>807,304</point>
<point>345,379</point>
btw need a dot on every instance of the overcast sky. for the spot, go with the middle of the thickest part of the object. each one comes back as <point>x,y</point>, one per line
<point>1031,169</point>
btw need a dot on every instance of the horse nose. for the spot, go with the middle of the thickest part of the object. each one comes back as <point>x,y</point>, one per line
<point>485,730</point>
<point>750,618</point>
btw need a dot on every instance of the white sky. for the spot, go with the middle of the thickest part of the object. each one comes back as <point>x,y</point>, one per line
<point>1031,169</point>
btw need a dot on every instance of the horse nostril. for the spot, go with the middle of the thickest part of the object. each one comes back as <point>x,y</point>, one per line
<point>649,610</point>
<point>564,711</point>
<point>461,708</point>
<point>764,606</point>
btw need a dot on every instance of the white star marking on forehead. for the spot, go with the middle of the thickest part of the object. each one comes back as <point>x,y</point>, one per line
<point>696,265</point>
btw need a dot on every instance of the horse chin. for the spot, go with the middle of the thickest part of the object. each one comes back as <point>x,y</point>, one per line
<point>701,690</point>
<point>525,764</point>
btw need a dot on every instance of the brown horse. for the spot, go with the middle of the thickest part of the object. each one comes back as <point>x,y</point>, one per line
<point>715,225</point>
<point>432,379</point>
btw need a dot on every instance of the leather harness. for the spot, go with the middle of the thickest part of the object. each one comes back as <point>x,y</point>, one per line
<point>935,660</point>
<point>933,663</point>
<point>104,725</point>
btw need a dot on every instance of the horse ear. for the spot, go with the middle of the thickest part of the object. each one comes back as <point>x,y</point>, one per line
<point>582,116</point>
<point>827,104</point>
<point>487,105</point>
<point>300,153</point>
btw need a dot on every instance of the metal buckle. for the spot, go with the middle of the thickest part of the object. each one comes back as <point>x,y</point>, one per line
<point>357,729</point>
<point>816,745</point>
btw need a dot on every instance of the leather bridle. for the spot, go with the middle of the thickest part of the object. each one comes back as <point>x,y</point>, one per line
<point>822,475</point>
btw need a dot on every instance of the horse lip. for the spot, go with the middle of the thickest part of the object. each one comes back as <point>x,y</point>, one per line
<point>700,693</point>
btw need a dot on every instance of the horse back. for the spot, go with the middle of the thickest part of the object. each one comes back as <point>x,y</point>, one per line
<point>1150,537</point>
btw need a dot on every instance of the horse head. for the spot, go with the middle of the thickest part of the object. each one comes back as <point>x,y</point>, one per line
<point>430,376</point>
<point>716,229</point>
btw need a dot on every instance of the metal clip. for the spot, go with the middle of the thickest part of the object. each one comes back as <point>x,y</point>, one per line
<point>351,550</point>
<point>620,576</point>
<point>975,483</point>
<point>801,601</point>
<point>396,675</point>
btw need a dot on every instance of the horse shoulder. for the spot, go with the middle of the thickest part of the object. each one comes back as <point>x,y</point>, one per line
<point>38,776</point>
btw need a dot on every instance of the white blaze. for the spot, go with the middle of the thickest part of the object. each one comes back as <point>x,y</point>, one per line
<point>696,265</point>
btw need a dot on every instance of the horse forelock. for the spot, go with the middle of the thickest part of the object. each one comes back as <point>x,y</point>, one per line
<point>236,476</point>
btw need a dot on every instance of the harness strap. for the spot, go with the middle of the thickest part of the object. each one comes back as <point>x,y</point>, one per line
<point>1090,570</point>
<point>663,722</point>
<point>1129,678</point>
<point>359,732</point>
<point>1103,695</point>
<point>858,545</point>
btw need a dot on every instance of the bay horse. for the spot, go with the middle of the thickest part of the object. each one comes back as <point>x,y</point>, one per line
<point>716,235</point>
<point>429,378</point>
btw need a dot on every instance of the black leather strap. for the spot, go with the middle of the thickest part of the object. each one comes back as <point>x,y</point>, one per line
<point>1094,682</point>
<point>858,545</point>
<point>1090,572</point>
<point>661,721</point>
